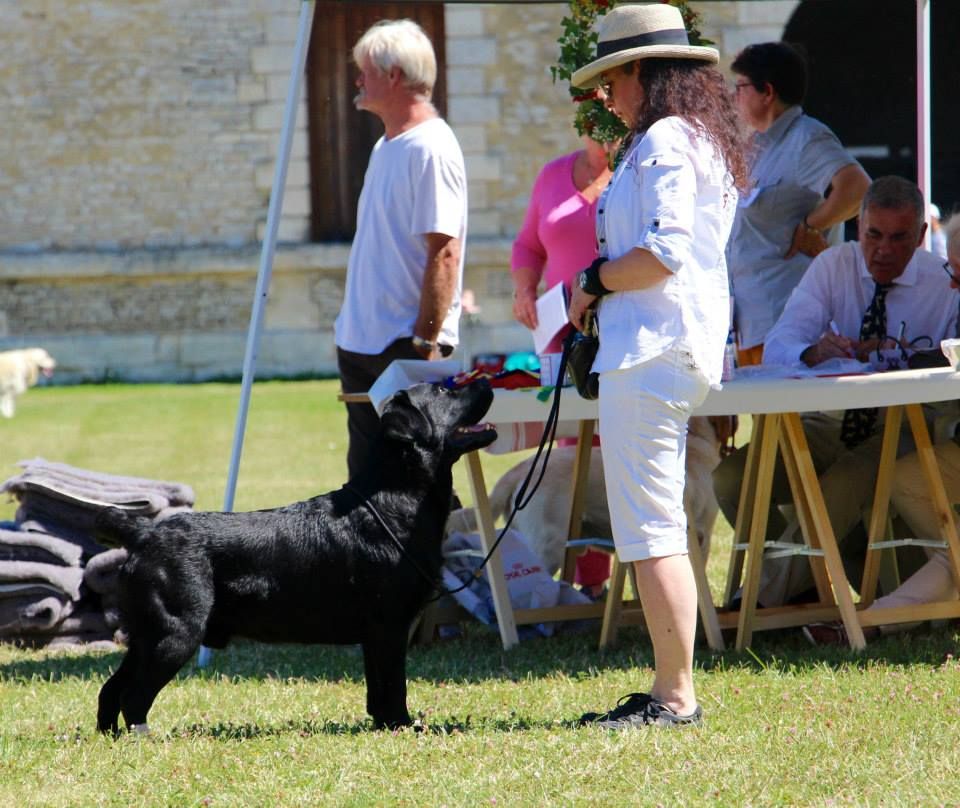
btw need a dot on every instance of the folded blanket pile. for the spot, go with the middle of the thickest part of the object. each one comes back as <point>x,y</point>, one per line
<point>58,586</point>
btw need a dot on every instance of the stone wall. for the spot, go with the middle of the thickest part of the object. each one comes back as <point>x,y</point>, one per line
<point>139,146</point>
<point>140,123</point>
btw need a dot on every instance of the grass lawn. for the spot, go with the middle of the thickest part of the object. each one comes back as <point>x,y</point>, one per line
<point>278,725</point>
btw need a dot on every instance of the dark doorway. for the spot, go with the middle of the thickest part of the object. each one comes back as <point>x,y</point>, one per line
<point>862,57</point>
<point>341,137</point>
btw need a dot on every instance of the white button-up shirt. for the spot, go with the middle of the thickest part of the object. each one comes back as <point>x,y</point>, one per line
<point>671,195</point>
<point>838,287</point>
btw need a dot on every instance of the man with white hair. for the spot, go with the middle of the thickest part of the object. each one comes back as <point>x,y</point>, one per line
<point>404,275</point>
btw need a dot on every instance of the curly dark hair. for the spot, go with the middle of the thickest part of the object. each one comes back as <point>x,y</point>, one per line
<point>696,92</point>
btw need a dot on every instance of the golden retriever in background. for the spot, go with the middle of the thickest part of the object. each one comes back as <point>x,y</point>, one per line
<point>19,370</point>
<point>544,521</point>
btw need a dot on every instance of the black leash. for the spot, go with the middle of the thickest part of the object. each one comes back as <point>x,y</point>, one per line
<point>520,501</point>
<point>393,536</point>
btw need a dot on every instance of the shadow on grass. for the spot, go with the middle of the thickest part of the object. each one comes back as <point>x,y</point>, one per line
<point>230,731</point>
<point>478,657</point>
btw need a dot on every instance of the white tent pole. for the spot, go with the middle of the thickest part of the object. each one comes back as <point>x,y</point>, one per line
<point>269,244</point>
<point>924,178</point>
<point>266,258</point>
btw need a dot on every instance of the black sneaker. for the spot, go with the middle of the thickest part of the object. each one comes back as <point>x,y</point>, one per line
<point>640,710</point>
<point>823,634</point>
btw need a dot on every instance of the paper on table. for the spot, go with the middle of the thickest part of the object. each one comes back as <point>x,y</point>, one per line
<point>403,373</point>
<point>551,317</point>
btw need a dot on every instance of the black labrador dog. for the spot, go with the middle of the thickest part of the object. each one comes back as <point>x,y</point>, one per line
<point>352,566</point>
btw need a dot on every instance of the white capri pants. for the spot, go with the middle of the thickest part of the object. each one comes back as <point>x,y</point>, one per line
<point>643,413</point>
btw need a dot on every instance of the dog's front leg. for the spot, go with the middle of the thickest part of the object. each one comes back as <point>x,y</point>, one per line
<point>385,667</point>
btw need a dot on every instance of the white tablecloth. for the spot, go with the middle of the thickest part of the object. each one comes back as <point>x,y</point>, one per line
<point>740,396</point>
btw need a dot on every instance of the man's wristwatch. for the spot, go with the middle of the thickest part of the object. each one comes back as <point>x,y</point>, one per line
<point>589,279</point>
<point>422,344</point>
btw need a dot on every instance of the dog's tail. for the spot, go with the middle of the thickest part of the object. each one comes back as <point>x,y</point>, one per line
<point>118,528</point>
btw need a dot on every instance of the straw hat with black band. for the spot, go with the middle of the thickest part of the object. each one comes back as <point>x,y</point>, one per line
<point>640,32</point>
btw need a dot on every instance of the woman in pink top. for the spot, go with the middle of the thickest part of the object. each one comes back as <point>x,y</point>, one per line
<point>558,236</point>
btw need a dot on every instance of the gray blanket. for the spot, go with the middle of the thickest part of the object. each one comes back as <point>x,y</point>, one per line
<point>42,553</point>
<point>66,579</point>
<point>97,489</point>
<point>27,608</point>
<point>25,545</point>
<point>102,570</point>
<point>67,520</point>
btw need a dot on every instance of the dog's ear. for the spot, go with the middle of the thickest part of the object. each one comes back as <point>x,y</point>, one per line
<point>402,421</point>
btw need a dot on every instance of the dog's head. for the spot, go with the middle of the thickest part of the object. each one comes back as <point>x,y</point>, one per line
<point>37,362</point>
<point>446,423</point>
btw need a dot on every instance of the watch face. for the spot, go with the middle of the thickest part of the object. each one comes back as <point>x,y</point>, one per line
<point>582,280</point>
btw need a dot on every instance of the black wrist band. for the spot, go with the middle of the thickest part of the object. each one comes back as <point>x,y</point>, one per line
<point>590,279</point>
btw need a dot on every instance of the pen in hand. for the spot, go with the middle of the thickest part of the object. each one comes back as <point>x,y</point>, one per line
<point>835,330</point>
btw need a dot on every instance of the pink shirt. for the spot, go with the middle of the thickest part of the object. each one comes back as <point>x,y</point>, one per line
<point>558,236</point>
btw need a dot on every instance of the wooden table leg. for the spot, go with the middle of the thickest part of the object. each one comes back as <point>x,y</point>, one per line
<point>748,496</point>
<point>578,495</point>
<point>708,612</point>
<point>494,569</point>
<point>613,604</point>
<point>766,456</point>
<point>881,503</point>
<point>820,522</point>
<point>805,519</point>
<point>928,461</point>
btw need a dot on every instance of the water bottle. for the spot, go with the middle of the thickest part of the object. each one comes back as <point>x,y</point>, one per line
<point>729,357</point>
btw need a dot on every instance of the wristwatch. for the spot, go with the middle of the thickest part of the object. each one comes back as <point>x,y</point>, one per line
<point>422,344</point>
<point>589,279</point>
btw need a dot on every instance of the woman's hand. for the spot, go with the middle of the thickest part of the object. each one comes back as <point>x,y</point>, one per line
<point>580,301</point>
<point>525,306</point>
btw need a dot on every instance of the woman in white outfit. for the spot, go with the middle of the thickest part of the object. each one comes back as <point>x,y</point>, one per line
<point>660,290</point>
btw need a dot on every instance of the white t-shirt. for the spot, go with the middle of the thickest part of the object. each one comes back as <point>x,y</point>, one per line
<point>671,195</point>
<point>415,184</point>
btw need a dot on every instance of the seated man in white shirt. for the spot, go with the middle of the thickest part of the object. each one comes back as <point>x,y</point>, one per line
<point>912,500</point>
<point>850,300</point>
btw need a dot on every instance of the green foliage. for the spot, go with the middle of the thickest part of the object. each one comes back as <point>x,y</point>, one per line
<point>577,48</point>
<point>578,42</point>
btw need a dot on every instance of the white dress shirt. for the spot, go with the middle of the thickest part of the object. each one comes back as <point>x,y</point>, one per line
<point>671,195</point>
<point>838,287</point>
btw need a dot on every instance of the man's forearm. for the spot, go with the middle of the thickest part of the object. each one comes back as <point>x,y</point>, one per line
<point>439,284</point>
